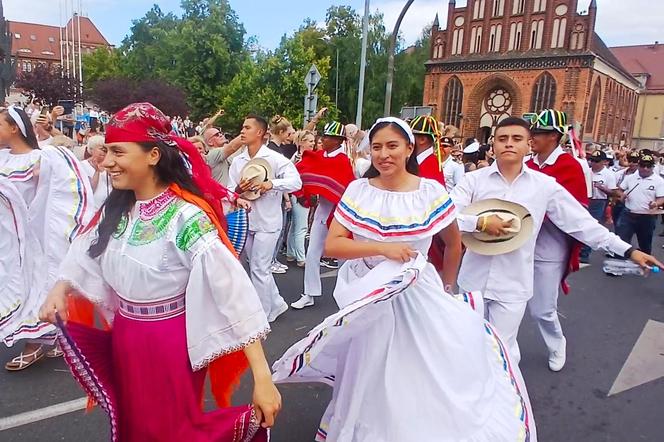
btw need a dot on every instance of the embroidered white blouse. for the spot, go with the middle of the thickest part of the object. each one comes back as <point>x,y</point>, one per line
<point>164,248</point>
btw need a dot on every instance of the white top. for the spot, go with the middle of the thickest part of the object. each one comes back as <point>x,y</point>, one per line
<point>509,277</point>
<point>606,178</point>
<point>588,173</point>
<point>334,153</point>
<point>266,214</point>
<point>104,186</point>
<point>642,191</point>
<point>622,174</point>
<point>552,245</point>
<point>58,196</point>
<point>164,248</point>
<point>453,172</point>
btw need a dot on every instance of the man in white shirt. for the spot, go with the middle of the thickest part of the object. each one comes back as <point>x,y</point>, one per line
<point>506,281</point>
<point>642,193</point>
<point>604,186</point>
<point>452,170</point>
<point>333,137</point>
<point>265,216</point>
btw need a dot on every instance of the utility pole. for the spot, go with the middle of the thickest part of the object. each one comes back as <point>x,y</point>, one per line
<point>390,59</point>
<point>363,64</point>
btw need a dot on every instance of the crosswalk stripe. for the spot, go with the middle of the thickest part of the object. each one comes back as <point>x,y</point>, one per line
<point>30,417</point>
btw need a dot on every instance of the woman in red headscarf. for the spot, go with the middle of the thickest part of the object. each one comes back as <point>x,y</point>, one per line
<point>157,264</point>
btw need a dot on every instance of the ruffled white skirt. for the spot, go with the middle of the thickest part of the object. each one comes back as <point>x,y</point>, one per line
<point>22,274</point>
<point>409,363</point>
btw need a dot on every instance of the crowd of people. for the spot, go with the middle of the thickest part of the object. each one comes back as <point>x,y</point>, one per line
<point>169,234</point>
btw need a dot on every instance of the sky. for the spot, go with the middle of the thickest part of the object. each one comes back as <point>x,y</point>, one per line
<point>269,20</point>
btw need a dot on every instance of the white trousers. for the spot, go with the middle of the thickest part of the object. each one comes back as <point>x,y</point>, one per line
<point>260,249</point>
<point>317,236</point>
<point>543,306</point>
<point>506,318</point>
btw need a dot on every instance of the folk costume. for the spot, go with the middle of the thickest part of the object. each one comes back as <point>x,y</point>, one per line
<point>326,174</point>
<point>176,301</point>
<point>51,201</point>
<point>399,341</point>
<point>431,166</point>
<point>556,253</point>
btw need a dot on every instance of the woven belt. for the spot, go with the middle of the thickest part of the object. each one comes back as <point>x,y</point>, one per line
<point>152,310</point>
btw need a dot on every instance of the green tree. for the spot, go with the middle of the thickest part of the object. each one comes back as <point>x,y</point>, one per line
<point>101,64</point>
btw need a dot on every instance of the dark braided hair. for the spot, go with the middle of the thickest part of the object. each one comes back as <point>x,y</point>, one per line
<point>170,169</point>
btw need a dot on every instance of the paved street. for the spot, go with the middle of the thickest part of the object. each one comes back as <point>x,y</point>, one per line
<point>603,319</point>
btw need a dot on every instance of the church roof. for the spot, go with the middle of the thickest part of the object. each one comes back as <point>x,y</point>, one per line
<point>644,59</point>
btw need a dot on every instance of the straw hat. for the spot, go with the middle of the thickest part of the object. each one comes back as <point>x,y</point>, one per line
<point>257,171</point>
<point>520,231</point>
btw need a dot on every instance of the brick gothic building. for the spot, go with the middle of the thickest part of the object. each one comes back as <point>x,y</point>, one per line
<point>507,57</point>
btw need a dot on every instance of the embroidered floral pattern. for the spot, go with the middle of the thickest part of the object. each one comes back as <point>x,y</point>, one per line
<point>149,209</point>
<point>195,227</point>
<point>122,227</point>
<point>147,231</point>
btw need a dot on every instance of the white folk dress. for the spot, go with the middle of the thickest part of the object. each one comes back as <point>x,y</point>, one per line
<point>51,201</point>
<point>407,361</point>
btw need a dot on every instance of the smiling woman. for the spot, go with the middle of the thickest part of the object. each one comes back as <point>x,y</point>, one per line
<point>158,263</point>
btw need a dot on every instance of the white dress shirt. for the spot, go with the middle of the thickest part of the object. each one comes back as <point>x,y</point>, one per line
<point>509,277</point>
<point>553,245</point>
<point>339,151</point>
<point>266,215</point>
<point>642,191</point>
<point>605,177</point>
<point>454,173</point>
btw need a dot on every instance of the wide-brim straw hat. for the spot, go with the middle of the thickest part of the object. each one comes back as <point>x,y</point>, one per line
<point>519,233</point>
<point>257,171</point>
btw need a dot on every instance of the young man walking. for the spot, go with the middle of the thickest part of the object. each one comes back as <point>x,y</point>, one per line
<point>506,280</point>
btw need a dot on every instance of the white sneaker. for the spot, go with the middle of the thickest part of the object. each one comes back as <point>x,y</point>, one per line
<point>281,265</point>
<point>274,314</point>
<point>304,301</point>
<point>557,358</point>
<point>276,269</point>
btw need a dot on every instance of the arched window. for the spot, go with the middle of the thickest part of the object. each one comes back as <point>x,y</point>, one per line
<point>494,38</point>
<point>558,34</point>
<point>518,6</point>
<point>453,99</point>
<point>544,93</point>
<point>476,40</point>
<point>478,9</point>
<point>498,8</point>
<point>536,33</point>
<point>457,41</point>
<point>539,6</point>
<point>592,108</point>
<point>515,36</point>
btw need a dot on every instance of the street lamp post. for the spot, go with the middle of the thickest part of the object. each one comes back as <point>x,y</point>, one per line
<point>390,59</point>
<point>363,64</point>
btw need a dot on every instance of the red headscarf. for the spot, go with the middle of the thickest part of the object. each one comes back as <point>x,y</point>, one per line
<point>143,122</point>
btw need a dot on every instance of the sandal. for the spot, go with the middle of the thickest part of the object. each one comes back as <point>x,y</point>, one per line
<point>55,352</point>
<point>24,360</point>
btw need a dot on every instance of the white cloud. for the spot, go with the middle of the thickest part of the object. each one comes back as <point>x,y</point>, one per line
<point>420,14</point>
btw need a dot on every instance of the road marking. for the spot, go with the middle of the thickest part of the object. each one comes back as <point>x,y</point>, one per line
<point>645,362</point>
<point>33,416</point>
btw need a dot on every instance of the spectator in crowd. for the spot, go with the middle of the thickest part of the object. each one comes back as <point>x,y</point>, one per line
<point>99,179</point>
<point>221,153</point>
<point>281,136</point>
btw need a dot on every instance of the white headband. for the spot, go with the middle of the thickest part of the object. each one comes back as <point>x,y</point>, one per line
<point>17,119</point>
<point>399,122</point>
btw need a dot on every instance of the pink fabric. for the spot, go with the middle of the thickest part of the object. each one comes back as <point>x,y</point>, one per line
<point>144,368</point>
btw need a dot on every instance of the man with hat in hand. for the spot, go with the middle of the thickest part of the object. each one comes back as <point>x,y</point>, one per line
<point>643,195</point>
<point>604,186</point>
<point>261,176</point>
<point>338,172</point>
<point>633,159</point>
<point>556,253</point>
<point>499,261</point>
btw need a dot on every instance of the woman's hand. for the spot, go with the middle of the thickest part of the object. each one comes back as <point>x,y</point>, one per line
<point>56,302</point>
<point>397,252</point>
<point>267,402</point>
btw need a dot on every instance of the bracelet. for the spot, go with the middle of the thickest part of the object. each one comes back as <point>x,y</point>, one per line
<point>484,222</point>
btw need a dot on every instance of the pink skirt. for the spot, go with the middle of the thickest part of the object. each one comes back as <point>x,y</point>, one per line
<point>140,374</point>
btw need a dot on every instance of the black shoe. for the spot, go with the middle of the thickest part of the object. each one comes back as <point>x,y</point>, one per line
<point>584,260</point>
<point>329,263</point>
